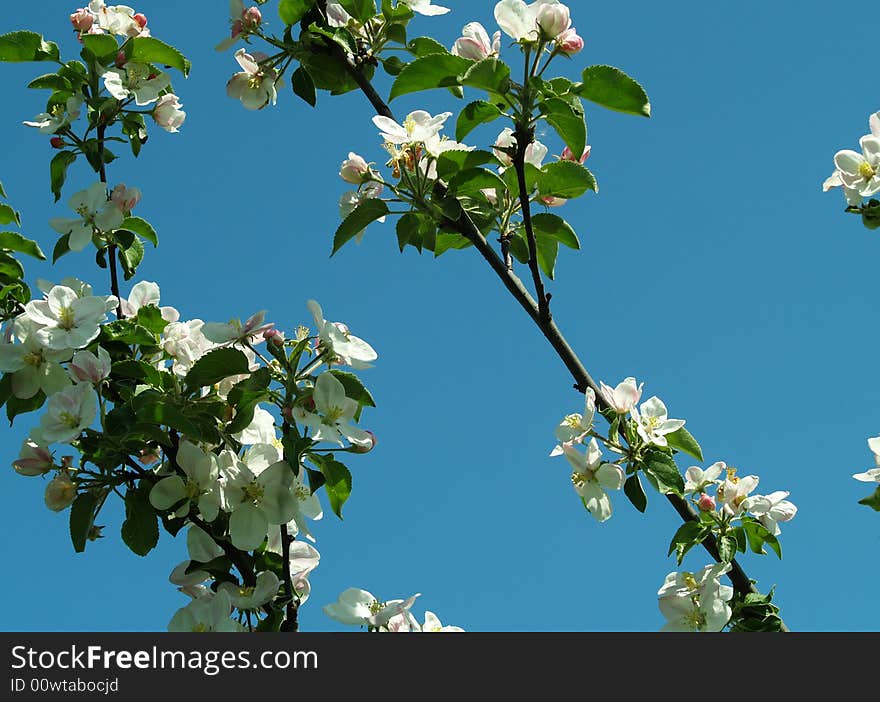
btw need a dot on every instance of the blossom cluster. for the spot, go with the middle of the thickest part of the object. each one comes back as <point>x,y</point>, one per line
<point>696,601</point>
<point>858,172</point>
<point>356,607</point>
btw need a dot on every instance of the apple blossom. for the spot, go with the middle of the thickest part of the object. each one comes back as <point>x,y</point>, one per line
<point>853,196</point>
<point>254,596</point>
<point>68,412</point>
<point>256,501</point>
<point>198,486</point>
<point>146,293</point>
<point>734,491</point>
<point>243,21</point>
<point>255,84</point>
<point>520,21</point>
<point>355,170</point>
<point>860,171</point>
<point>210,612</point>
<point>334,412</point>
<point>66,320</point>
<point>337,15</point>
<point>136,80</point>
<point>261,430</point>
<point>202,549</point>
<point>433,624</point>
<point>569,42</point>
<point>624,397</point>
<point>167,113</point>
<point>82,20</point>
<point>591,477</point>
<point>96,212</point>
<point>474,43</point>
<point>419,126</point>
<point>696,601</point>
<point>80,287</point>
<point>60,492</point>
<point>59,117</point>
<point>652,422</point>
<point>552,18</point>
<point>32,366</point>
<point>33,459</point>
<point>567,154</point>
<point>87,367</point>
<point>872,475</point>
<point>771,509</point>
<point>575,427</point>
<point>424,7</point>
<point>505,144</point>
<point>343,346</point>
<point>359,607</point>
<point>234,331</point>
<point>706,503</point>
<point>125,198</point>
<point>697,480</point>
<point>119,19</point>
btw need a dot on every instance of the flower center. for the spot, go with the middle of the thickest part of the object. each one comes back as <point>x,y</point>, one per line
<point>573,420</point>
<point>580,479</point>
<point>866,170</point>
<point>696,619</point>
<point>376,607</point>
<point>254,492</point>
<point>34,358</point>
<point>333,415</point>
<point>69,420</point>
<point>199,628</point>
<point>245,591</point>
<point>66,318</point>
<point>191,490</point>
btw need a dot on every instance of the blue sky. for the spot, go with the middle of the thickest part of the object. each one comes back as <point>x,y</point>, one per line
<point>712,267</point>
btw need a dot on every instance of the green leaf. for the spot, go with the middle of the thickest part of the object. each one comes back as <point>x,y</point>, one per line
<point>688,535</point>
<point>361,10</point>
<point>51,81</point>
<point>447,241</point>
<point>244,397</point>
<point>423,46</point>
<point>151,50</point>
<point>473,115</point>
<point>413,229</point>
<point>127,331</point>
<point>364,214</point>
<point>428,72</point>
<point>490,75</point>
<point>58,170</point>
<point>292,11</point>
<point>2,190</point>
<point>150,318</point>
<point>141,371</point>
<point>10,267</point>
<point>662,467</point>
<point>354,390</point>
<point>472,180</point>
<point>130,258</point>
<point>872,501</point>
<point>101,45</point>
<point>553,226</point>
<point>82,516</point>
<point>682,440</point>
<point>140,530</point>
<point>566,179</point>
<point>8,215</point>
<point>337,482</point>
<point>13,241</point>
<point>633,489</point>
<point>142,228</point>
<point>216,365</point>
<point>727,548</point>
<point>62,246</point>
<point>547,249</point>
<point>758,535</point>
<point>304,86</point>
<point>450,162</point>
<point>568,123</point>
<point>16,406</point>
<point>26,46</point>
<point>612,88</point>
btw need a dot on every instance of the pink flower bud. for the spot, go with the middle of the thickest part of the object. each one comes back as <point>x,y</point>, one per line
<point>141,19</point>
<point>569,42</point>
<point>148,457</point>
<point>567,155</point>
<point>706,503</point>
<point>354,169</point>
<point>273,336</point>
<point>251,18</point>
<point>167,113</point>
<point>125,198</point>
<point>366,449</point>
<point>60,492</point>
<point>237,28</point>
<point>553,19</point>
<point>86,367</point>
<point>287,413</point>
<point>551,201</point>
<point>121,60</point>
<point>33,460</point>
<point>57,142</point>
<point>82,20</point>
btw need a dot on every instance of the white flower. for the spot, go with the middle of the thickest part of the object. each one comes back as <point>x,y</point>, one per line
<point>355,169</point>
<point>198,486</point>
<point>33,366</point>
<point>419,126</point>
<point>125,198</point>
<point>860,172</point>
<point>167,113</point>
<point>334,411</point>
<point>696,601</point>
<point>60,492</point>
<point>474,43</point>
<point>66,320</point>
<point>202,549</point>
<point>80,287</point>
<point>734,491</point>
<point>576,426</point>
<point>424,7</point>
<point>95,212</point>
<point>872,475</point>
<point>552,18</point>
<point>234,331</point>
<point>853,197</point>
<point>358,607</point>
<point>185,343</point>
<point>33,459</point>
<point>771,509</point>
<point>255,85</point>
<point>68,412</point>
<point>254,596</point>
<point>337,16</point>
<point>697,480</point>
<point>337,340</point>
<point>505,141</point>
<point>520,21</point>
<point>138,80</point>
<point>261,430</point>
<point>256,501</point>
<point>652,422</point>
<point>433,624</point>
<point>146,293</point>
<point>59,117</point>
<point>118,19</point>
<point>87,367</point>
<point>624,397</point>
<point>207,613</point>
<point>591,477</point>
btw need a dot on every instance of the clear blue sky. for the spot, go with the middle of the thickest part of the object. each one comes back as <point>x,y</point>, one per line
<point>712,267</point>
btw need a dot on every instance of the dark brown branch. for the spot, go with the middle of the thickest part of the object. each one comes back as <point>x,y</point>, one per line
<point>111,249</point>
